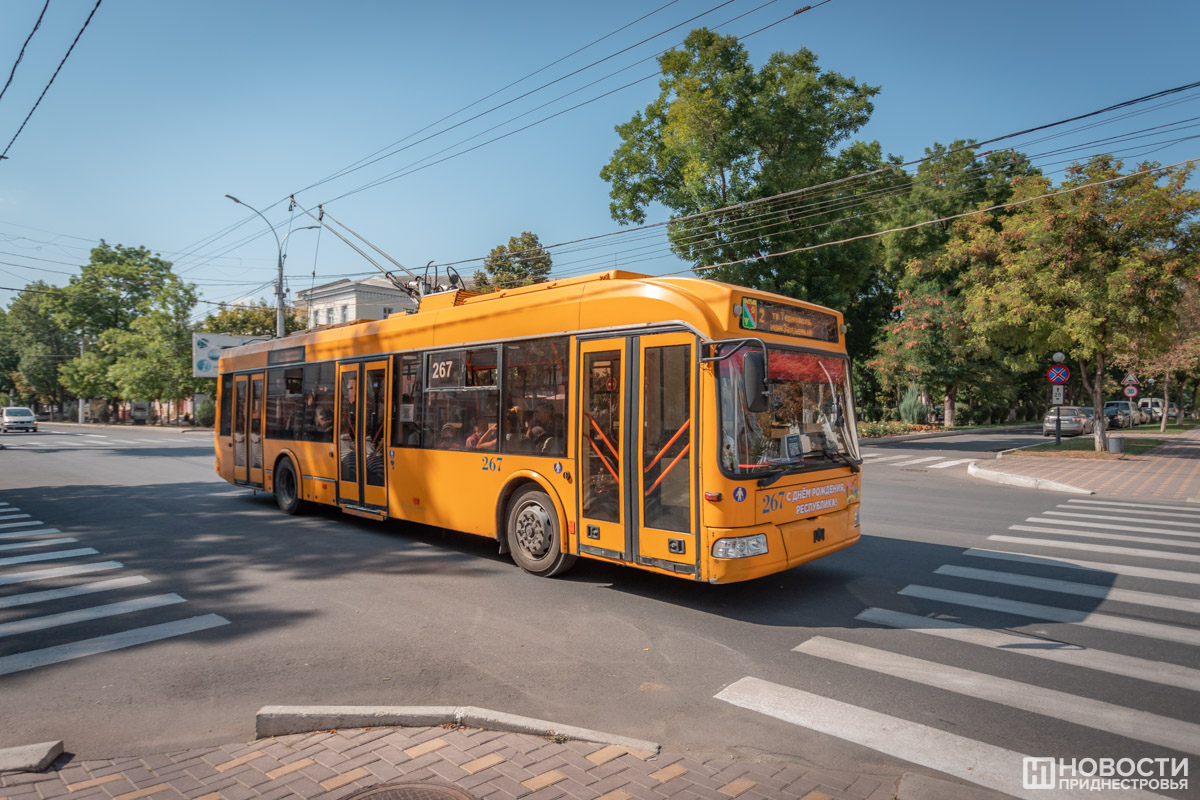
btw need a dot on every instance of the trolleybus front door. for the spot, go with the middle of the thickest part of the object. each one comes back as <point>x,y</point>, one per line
<point>603,402</point>
<point>361,436</point>
<point>248,407</point>
<point>637,480</point>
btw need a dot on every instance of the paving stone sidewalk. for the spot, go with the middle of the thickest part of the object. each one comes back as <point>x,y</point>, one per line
<point>489,765</point>
<point>1170,471</point>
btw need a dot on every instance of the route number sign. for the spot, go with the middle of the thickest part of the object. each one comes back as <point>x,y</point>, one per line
<point>1131,391</point>
<point>1058,374</point>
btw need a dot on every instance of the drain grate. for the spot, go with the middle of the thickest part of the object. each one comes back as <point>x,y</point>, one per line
<point>411,791</point>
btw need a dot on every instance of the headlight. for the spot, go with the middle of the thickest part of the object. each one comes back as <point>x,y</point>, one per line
<point>741,547</point>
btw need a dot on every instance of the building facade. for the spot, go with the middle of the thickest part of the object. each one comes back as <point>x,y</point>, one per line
<point>346,300</point>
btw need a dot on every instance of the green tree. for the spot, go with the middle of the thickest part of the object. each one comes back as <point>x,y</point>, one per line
<point>1087,268</point>
<point>40,344</point>
<point>257,319</point>
<point>152,359</point>
<point>519,263</point>
<point>721,134</point>
<point>928,341</point>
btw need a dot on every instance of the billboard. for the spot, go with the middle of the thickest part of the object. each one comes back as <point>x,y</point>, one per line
<point>207,347</point>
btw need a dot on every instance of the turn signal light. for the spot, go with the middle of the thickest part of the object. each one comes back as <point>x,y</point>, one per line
<point>712,497</point>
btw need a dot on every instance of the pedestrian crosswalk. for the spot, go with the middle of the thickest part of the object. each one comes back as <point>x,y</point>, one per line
<point>1114,628</point>
<point>908,460</point>
<point>48,616</point>
<point>47,441</point>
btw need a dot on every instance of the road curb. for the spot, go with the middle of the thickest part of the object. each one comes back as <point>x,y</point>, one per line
<point>913,437</point>
<point>30,757</point>
<point>286,720</point>
<point>1025,481</point>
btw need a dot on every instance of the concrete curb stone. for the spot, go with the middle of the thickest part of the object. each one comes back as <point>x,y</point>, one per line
<point>30,757</point>
<point>995,476</point>
<point>284,720</point>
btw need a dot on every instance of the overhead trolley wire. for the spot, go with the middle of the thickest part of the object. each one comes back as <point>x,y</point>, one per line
<point>21,54</point>
<point>86,22</point>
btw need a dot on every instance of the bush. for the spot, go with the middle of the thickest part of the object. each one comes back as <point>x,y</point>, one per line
<point>890,415</point>
<point>912,410</point>
<point>104,413</point>
<point>206,414</point>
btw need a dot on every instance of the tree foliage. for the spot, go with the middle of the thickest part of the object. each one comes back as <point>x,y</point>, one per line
<point>257,319</point>
<point>721,134</point>
<point>519,263</point>
<point>1086,268</point>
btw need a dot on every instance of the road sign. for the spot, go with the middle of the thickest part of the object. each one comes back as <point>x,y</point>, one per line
<point>1130,391</point>
<point>1058,374</point>
<point>1130,380</point>
<point>1058,394</point>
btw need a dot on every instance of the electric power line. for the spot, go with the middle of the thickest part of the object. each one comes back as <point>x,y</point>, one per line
<point>21,54</point>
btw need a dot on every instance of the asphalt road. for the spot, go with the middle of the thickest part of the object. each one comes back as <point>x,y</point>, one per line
<point>238,606</point>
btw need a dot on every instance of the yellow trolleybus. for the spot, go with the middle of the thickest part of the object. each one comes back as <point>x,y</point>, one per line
<point>677,425</point>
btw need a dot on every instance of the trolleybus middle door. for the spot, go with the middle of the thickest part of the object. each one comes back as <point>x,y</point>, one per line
<point>604,524</point>
<point>361,435</point>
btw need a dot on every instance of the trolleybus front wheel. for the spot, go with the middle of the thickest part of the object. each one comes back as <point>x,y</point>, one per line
<point>533,534</point>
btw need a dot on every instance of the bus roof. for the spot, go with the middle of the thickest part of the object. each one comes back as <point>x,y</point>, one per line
<point>613,300</point>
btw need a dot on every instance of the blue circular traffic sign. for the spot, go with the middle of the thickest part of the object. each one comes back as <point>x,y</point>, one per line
<point>1058,374</point>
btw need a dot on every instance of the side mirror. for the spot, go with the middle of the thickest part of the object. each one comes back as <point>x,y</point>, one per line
<point>754,381</point>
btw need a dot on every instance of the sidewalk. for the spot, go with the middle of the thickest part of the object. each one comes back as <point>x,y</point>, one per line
<point>1170,471</point>
<point>487,765</point>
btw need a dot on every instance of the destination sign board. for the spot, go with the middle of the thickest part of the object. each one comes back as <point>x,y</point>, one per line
<point>771,317</point>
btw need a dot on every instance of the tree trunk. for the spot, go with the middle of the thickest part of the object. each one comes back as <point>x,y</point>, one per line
<point>1182,399</point>
<point>1162,428</point>
<point>1095,389</point>
<point>948,405</point>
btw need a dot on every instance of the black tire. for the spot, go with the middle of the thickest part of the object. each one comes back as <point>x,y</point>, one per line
<point>533,533</point>
<point>287,488</point>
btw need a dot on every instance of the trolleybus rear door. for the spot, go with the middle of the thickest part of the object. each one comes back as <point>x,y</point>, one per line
<point>603,402</point>
<point>247,426</point>
<point>241,439</point>
<point>664,478</point>
<point>361,436</point>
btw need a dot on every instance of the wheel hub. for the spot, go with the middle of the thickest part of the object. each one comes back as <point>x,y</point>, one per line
<point>533,530</point>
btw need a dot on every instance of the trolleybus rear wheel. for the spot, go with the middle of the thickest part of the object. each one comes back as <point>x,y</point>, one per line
<point>533,534</point>
<point>287,488</point>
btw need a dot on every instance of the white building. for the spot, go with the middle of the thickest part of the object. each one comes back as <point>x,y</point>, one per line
<point>346,300</point>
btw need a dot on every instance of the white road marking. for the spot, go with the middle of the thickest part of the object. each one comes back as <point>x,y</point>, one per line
<point>20,626</point>
<point>887,458</point>
<point>104,644</point>
<point>1133,552</point>
<point>1044,647</point>
<point>36,543</point>
<point>149,441</point>
<point>917,461</point>
<point>969,760</point>
<point>55,556</point>
<point>1107,622</point>
<point>946,464</point>
<point>19,534</point>
<point>29,598</point>
<point>1180,510</point>
<point>14,516</point>
<point>1120,537</point>
<point>71,443</point>
<point>1075,563</point>
<point>1071,587</point>
<point>1099,515</point>
<point>57,572</point>
<point>871,455</point>
<point>21,524</point>
<point>1141,725</point>
<point>1105,526</point>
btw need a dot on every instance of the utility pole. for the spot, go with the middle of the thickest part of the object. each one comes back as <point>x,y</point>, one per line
<point>279,326</point>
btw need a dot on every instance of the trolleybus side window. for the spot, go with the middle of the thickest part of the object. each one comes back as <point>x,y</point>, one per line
<point>317,417</point>
<point>535,397</point>
<point>407,401</point>
<point>285,403</point>
<point>461,401</point>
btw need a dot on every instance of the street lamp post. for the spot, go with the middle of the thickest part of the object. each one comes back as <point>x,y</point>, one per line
<point>279,328</point>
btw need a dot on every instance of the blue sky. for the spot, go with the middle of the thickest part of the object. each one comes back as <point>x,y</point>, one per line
<point>164,107</point>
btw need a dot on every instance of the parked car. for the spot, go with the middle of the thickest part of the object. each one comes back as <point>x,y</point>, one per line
<point>1075,421</point>
<point>1121,414</point>
<point>1172,410</point>
<point>16,418</point>
<point>1154,405</point>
